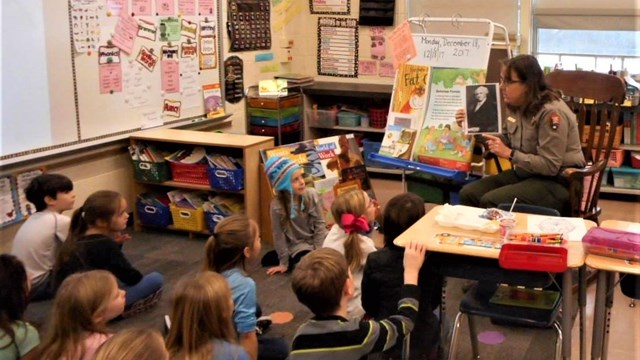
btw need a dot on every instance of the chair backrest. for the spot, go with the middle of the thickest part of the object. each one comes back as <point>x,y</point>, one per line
<point>529,209</point>
<point>596,99</point>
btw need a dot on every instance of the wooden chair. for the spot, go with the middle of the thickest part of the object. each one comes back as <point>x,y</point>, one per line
<point>596,99</point>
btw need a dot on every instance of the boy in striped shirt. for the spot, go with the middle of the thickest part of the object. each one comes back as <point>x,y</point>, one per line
<point>322,282</point>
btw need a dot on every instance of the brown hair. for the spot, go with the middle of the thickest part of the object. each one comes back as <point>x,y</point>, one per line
<point>351,202</point>
<point>202,311</point>
<point>528,70</point>
<point>13,295</point>
<point>79,299</point>
<point>225,248</point>
<point>319,279</point>
<point>133,344</point>
<point>100,206</point>
<point>400,213</point>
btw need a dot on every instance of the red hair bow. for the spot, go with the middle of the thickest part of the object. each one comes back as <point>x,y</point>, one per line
<point>351,223</point>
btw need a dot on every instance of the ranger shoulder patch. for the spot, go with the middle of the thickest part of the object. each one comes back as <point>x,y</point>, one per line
<point>554,120</point>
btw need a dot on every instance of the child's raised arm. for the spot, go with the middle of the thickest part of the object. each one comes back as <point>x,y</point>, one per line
<point>413,258</point>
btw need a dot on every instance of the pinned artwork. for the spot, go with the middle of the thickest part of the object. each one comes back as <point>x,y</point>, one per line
<point>141,7</point>
<point>147,30</point>
<point>85,27</point>
<point>208,47</point>
<point>170,29</point>
<point>171,108</point>
<point>165,8</point>
<point>110,69</point>
<point>188,50</point>
<point>147,58</point>
<point>188,29</point>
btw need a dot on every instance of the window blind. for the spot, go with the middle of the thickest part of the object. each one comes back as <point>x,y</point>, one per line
<point>587,14</point>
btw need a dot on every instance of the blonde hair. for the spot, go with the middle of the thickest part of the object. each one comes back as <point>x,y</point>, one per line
<point>79,299</point>
<point>225,248</point>
<point>202,311</point>
<point>351,202</point>
<point>133,344</point>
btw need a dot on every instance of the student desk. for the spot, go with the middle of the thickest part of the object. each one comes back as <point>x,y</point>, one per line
<point>608,267</point>
<point>425,229</point>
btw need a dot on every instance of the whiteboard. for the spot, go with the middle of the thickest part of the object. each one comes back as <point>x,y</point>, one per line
<point>53,95</point>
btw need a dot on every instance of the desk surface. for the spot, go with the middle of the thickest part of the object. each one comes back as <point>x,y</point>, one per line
<point>425,229</point>
<point>613,264</point>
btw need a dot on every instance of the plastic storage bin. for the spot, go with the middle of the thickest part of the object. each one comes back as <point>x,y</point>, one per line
<point>369,147</point>
<point>616,157</point>
<point>187,219</point>
<point>151,171</point>
<point>150,215</point>
<point>626,177</point>
<point>212,218</point>
<point>635,159</point>
<point>347,118</point>
<point>378,117</point>
<point>321,118</point>
<point>189,173</point>
<point>226,179</point>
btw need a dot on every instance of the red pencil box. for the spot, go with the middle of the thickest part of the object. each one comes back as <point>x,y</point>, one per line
<point>614,243</point>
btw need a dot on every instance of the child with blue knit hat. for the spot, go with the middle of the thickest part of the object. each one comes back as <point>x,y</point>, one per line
<point>297,216</point>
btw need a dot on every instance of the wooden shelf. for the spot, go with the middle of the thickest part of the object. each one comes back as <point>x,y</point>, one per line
<point>629,147</point>
<point>244,147</point>
<point>617,190</point>
<point>352,90</point>
<point>351,128</point>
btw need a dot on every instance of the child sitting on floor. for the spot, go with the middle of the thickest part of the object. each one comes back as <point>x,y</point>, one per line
<point>382,279</point>
<point>95,243</point>
<point>201,320</point>
<point>134,344</point>
<point>323,283</point>
<point>85,302</point>
<point>39,239</point>
<point>18,339</point>
<point>236,240</point>
<point>354,211</point>
<point>297,216</point>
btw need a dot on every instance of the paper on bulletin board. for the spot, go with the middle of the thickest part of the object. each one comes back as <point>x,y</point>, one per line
<point>190,82</point>
<point>186,7</point>
<point>149,119</point>
<point>136,84</point>
<point>205,7</point>
<point>165,7</point>
<point>141,7</point>
<point>125,33</point>
<point>170,70</point>
<point>85,25</point>
<point>386,69</point>
<point>117,7</point>
<point>367,67</point>
<point>402,45</point>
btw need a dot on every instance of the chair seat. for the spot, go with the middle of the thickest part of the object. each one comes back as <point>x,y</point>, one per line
<point>476,302</point>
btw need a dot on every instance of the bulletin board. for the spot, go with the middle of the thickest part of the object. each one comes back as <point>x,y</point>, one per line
<point>112,67</point>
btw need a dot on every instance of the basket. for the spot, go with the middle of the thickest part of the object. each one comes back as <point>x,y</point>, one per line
<point>150,215</point>
<point>189,173</point>
<point>187,219</point>
<point>347,118</point>
<point>626,177</point>
<point>212,218</point>
<point>616,138</point>
<point>378,117</point>
<point>321,118</point>
<point>151,171</point>
<point>225,179</point>
<point>616,157</point>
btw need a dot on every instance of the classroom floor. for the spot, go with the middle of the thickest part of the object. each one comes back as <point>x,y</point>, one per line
<point>175,255</point>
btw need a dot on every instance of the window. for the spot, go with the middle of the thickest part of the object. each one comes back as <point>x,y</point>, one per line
<point>587,35</point>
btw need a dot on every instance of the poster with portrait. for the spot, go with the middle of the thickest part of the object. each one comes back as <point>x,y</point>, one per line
<point>483,109</point>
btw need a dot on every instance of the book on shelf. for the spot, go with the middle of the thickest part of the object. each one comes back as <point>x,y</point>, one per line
<point>296,79</point>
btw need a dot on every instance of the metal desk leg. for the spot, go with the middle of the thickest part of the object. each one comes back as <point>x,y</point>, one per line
<point>582,303</point>
<point>599,315</point>
<point>611,284</point>
<point>567,313</point>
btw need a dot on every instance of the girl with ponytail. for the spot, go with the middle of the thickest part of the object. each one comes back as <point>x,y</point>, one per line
<point>354,213</point>
<point>95,242</point>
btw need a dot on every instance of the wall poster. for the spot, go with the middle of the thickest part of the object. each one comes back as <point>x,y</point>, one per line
<point>333,7</point>
<point>337,47</point>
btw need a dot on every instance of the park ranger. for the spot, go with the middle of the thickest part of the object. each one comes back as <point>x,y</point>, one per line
<point>540,139</point>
